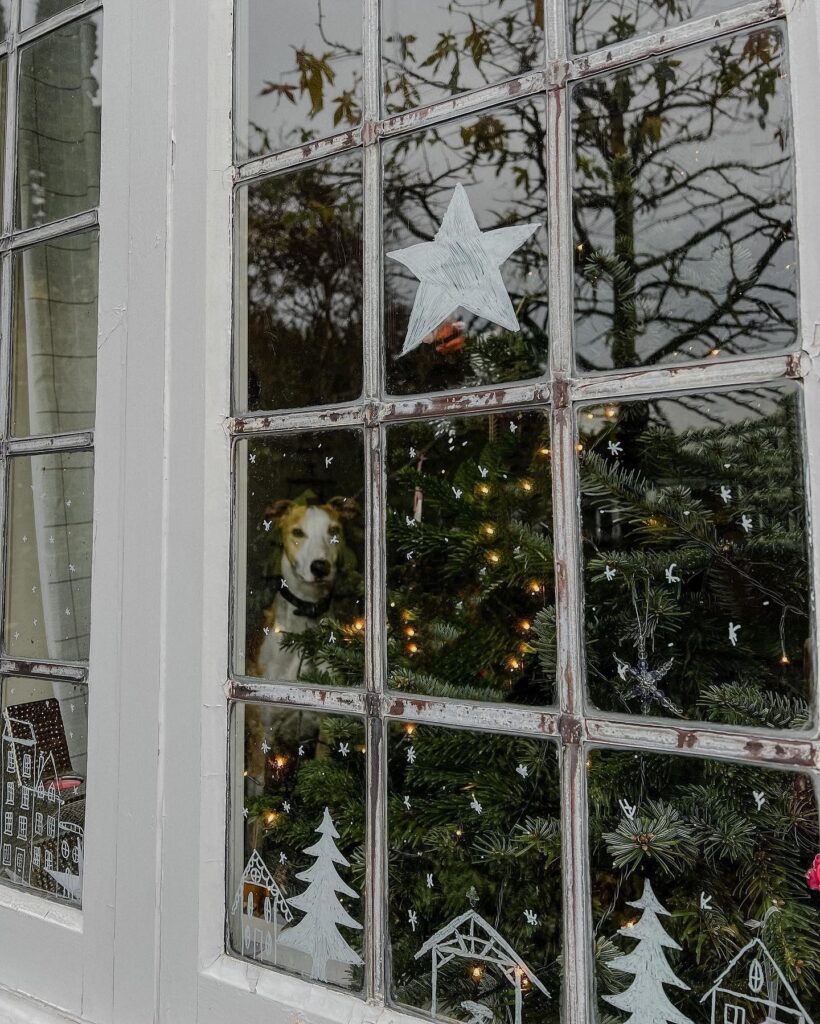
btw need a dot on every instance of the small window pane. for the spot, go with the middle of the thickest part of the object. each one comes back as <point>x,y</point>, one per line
<point>700,899</point>
<point>55,335</point>
<point>297,875</point>
<point>298,72</point>
<point>598,23</point>
<point>683,207</point>
<point>48,569</point>
<point>474,855</point>
<point>58,138</point>
<point>303,614</point>
<point>432,49</point>
<point>465,246</point>
<point>5,17</point>
<point>45,746</point>
<point>697,573</point>
<point>470,560</point>
<point>299,308</point>
<point>32,12</point>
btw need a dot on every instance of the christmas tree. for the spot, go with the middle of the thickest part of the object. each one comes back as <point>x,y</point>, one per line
<point>470,615</point>
<point>317,934</point>
<point>645,1000</point>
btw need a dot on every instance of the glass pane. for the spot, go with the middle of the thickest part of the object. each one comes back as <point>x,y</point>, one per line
<point>474,860</point>
<point>298,72</point>
<point>299,308</point>
<point>42,787</point>
<point>469,558</point>
<point>32,12</point>
<point>5,17</point>
<point>700,894</point>
<point>432,49</point>
<point>598,23</point>
<point>48,562</point>
<point>301,583</point>
<point>683,207</point>
<point>55,335</point>
<point>465,245</point>
<point>297,875</point>
<point>58,132</point>
<point>697,573</point>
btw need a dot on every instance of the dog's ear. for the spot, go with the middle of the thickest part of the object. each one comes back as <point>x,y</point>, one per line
<point>277,509</point>
<point>345,508</point>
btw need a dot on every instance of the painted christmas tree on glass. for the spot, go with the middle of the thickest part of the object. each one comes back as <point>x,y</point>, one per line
<point>317,934</point>
<point>645,1000</point>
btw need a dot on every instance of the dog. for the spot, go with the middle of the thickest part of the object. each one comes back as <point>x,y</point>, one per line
<point>314,550</point>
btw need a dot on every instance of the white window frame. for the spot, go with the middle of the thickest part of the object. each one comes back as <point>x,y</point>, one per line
<point>149,943</point>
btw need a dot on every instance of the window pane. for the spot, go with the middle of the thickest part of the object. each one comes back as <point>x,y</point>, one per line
<point>697,574</point>
<point>297,878</point>
<point>599,23</point>
<point>432,49</point>
<point>48,569</point>
<point>683,207</point>
<point>303,557</point>
<point>58,139</point>
<point>474,855</point>
<point>299,308</point>
<point>699,890</point>
<point>32,12</point>
<point>45,745</point>
<point>470,560</point>
<point>298,72</point>
<point>465,244</point>
<point>55,335</point>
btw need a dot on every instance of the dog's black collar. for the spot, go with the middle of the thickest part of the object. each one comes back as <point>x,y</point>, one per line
<point>308,609</point>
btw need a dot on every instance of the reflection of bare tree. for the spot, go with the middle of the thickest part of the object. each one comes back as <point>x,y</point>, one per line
<point>305,285</point>
<point>682,207</point>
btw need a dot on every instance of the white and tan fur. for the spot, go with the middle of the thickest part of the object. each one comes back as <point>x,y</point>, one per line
<point>313,544</point>
<point>313,552</point>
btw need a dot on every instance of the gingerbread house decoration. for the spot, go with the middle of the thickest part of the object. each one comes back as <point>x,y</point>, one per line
<point>261,903</point>
<point>39,847</point>
<point>470,937</point>
<point>753,989</point>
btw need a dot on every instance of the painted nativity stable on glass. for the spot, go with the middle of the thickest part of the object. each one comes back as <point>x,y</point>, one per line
<point>437,387</point>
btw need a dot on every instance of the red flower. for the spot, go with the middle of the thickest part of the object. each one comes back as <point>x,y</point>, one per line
<point>813,874</point>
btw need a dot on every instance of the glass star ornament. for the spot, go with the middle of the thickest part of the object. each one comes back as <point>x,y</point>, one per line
<point>460,268</point>
<point>643,682</point>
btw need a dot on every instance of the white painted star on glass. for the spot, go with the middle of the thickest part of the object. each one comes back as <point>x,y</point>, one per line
<point>460,269</point>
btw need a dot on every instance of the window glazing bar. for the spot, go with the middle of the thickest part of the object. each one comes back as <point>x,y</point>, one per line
<point>429,406</point>
<point>44,669</point>
<point>65,17</point>
<point>54,229</point>
<point>697,31</point>
<point>700,376</point>
<point>768,747</point>
<point>74,442</point>
<point>261,167</point>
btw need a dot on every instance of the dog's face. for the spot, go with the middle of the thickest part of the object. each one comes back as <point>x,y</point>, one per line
<point>313,538</point>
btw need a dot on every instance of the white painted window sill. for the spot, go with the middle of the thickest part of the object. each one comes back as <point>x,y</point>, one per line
<point>18,1009</point>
